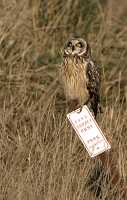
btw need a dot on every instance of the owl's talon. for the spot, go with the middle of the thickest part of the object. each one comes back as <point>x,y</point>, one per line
<point>80,109</point>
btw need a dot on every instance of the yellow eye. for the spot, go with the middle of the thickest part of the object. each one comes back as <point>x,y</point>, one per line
<point>79,44</point>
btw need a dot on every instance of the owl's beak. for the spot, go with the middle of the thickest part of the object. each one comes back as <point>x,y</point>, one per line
<point>73,48</point>
<point>71,51</point>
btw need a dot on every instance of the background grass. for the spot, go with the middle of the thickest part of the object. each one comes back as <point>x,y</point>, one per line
<point>40,155</point>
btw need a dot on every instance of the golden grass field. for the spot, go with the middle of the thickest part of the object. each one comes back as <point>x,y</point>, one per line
<point>41,157</point>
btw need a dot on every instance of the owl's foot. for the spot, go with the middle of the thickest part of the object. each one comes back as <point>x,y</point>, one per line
<point>80,109</point>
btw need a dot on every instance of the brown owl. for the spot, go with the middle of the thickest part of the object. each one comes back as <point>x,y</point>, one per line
<point>80,76</point>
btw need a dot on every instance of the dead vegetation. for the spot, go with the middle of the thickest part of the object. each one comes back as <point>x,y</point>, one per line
<point>40,155</point>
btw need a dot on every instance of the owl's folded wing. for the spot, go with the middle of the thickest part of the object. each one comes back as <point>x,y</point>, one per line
<point>93,85</point>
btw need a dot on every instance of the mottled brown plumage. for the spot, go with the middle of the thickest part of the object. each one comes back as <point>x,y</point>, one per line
<point>79,75</point>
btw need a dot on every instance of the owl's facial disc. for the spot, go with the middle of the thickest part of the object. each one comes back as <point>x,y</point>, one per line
<point>75,47</point>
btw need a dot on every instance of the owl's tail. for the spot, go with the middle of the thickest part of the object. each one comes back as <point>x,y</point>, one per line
<point>95,105</point>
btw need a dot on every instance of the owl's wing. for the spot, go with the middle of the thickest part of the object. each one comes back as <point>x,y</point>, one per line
<point>93,85</point>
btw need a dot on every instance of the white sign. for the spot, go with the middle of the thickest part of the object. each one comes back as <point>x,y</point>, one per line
<point>88,131</point>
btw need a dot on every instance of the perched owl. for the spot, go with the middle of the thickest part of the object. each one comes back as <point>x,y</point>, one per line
<point>80,76</point>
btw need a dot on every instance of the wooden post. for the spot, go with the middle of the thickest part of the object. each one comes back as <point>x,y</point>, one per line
<point>110,165</point>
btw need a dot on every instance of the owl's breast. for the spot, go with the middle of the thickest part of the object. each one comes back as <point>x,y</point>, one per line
<point>75,84</point>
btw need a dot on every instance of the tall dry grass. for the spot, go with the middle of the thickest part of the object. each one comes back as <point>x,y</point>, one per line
<point>40,155</point>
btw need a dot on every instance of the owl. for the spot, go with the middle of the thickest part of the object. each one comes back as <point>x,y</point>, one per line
<point>80,76</point>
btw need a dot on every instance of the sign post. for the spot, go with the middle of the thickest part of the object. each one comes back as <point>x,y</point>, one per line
<point>96,144</point>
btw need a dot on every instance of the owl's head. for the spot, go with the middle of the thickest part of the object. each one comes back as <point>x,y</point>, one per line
<point>77,47</point>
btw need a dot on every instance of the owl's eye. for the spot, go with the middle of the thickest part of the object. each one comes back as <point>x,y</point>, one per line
<point>79,44</point>
<point>69,44</point>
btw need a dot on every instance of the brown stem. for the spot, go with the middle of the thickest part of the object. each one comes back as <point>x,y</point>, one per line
<point>110,165</point>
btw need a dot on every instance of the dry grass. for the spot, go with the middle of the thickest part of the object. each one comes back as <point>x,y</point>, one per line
<point>40,155</point>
